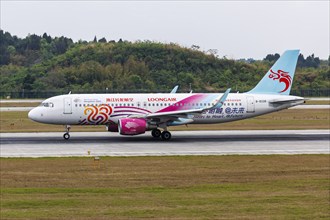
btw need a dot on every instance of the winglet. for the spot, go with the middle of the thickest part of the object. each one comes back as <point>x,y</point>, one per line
<point>221,100</point>
<point>175,89</point>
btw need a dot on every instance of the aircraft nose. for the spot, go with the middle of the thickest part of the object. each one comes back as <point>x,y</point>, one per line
<point>33,114</point>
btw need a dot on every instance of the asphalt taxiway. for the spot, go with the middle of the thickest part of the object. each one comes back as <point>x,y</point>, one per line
<point>182,143</point>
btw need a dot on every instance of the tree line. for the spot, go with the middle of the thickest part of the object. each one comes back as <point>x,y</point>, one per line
<point>45,63</point>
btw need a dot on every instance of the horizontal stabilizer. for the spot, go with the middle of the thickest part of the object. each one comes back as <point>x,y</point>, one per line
<point>283,101</point>
<point>290,102</point>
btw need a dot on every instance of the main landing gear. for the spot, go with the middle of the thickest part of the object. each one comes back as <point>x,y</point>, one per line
<point>165,135</point>
<point>66,135</point>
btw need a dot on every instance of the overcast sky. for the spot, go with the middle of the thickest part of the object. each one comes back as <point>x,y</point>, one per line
<point>237,29</point>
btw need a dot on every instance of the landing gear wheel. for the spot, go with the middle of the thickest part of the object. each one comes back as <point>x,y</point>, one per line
<point>156,133</point>
<point>66,136</point>
<point>166,135</point>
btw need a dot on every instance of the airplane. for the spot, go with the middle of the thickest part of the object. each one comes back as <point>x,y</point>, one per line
<point>134,114</point>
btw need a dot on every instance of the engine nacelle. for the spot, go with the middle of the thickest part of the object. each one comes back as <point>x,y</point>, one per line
<point>113,127</point>
<point>132,126</point>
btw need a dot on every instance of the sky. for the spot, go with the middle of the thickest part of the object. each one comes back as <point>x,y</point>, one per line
<point>236,29</point>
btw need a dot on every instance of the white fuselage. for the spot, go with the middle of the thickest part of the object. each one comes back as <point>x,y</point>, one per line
<point>102,109</point>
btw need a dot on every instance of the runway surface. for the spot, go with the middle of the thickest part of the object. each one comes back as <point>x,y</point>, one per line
<point>182,143</point>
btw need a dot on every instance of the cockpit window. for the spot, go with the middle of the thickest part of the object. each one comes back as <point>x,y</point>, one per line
<point>47,104</point>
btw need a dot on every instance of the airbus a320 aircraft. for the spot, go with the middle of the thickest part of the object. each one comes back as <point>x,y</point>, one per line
<point>133,114</point>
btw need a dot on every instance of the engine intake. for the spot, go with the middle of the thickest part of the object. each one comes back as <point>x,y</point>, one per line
<point>112,127</point>
<point>132,126</point>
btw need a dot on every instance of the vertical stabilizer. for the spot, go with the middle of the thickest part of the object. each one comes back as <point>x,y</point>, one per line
<point>278,80</point>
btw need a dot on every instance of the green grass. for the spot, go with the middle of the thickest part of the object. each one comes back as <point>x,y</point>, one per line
<point>19,104</point>
<point>317,102</point>
<point>186,187</point>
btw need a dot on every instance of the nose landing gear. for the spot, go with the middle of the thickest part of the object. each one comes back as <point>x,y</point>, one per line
<point>66,135</point>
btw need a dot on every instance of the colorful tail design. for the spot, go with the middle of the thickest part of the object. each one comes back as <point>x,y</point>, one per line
<point>278,80</point>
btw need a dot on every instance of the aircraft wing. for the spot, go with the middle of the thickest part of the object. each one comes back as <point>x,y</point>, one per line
<point>182,115</point>
<point>218,104</point>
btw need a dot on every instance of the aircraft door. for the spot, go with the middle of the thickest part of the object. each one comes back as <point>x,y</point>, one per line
<point>250,104</point>
<point>67,106</point>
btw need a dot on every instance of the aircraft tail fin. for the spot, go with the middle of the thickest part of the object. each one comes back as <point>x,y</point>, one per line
<point>278,80</point>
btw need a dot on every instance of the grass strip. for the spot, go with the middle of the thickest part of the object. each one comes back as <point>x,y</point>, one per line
<point>182,187</point>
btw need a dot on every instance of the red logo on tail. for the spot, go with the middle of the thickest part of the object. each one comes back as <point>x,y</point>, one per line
<point>283,77</point>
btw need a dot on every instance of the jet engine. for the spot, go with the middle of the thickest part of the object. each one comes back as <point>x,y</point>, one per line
<point>112,127</point>
<point>132,126</point>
